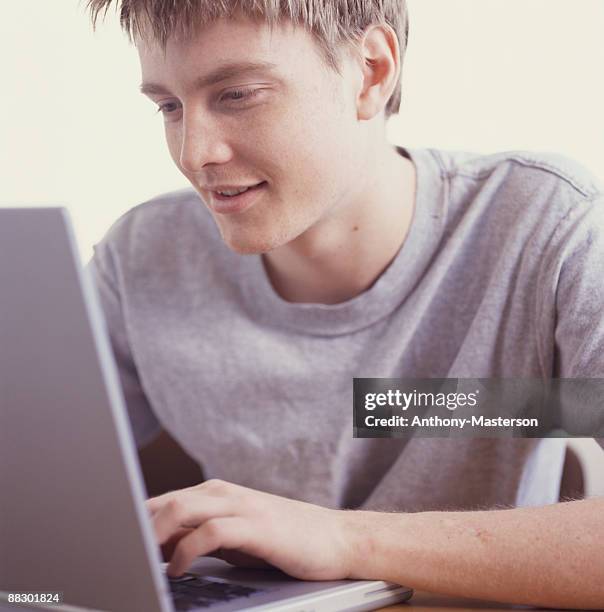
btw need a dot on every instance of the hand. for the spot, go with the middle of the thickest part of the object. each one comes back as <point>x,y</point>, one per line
<point>251,528</point>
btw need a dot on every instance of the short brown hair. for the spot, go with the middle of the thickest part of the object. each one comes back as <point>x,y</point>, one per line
<point>331,22</point>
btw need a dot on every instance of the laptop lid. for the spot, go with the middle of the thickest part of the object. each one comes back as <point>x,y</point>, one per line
<point>60,399</point>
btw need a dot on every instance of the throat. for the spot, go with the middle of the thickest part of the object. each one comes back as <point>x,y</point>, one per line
<point>339,259</point>
<point>330,279</point>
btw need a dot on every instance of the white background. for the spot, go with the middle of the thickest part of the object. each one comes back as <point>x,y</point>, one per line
<point>480,75</point>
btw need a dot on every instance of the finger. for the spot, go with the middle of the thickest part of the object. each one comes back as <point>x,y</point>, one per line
<point>154,504</point>
<point>167,548</point>
<point>189,511</point>
<point>241,559</point>
<point>228,533</point>
<point>212,487</point>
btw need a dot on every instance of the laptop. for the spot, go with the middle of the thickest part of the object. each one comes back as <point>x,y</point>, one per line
<point>73,518</point>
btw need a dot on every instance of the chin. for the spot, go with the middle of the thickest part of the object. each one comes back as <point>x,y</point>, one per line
<point>248,238</point>
<point>249,244</point>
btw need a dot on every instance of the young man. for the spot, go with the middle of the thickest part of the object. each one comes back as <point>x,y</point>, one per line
<point>311,251</point>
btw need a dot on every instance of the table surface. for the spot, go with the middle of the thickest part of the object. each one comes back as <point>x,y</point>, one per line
<point>429,602</point>
<point>426,602</point>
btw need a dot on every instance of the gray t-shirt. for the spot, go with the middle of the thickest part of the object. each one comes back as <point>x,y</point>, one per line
<point>501,275</point>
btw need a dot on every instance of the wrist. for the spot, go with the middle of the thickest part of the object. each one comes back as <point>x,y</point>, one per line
<point>371,541</point>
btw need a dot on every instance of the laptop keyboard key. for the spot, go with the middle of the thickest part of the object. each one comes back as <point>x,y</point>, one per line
<point>190,591</point>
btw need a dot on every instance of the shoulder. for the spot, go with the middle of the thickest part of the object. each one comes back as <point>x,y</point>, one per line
<point>160,230</point>
<point>160,218</point>
<point>519,192</point>
<point>521,169</point>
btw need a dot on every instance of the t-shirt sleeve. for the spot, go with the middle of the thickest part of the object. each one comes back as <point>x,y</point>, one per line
<point>578,271</point>
<point>144,423</point>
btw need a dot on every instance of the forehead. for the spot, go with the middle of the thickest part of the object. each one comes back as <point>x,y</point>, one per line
<point>282,47</point>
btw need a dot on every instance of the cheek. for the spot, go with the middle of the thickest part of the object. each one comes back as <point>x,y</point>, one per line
<point>173,140</point>
<point>293,144</point>
<point>316,155</point>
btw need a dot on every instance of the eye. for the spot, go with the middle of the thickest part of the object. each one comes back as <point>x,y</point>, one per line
<point>168,108</point>
<point>239,95</point>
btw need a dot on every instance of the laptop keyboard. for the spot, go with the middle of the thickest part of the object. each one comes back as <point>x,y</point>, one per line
<point>191,591</point>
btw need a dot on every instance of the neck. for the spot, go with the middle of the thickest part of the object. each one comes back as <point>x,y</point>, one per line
<point>344,254</point>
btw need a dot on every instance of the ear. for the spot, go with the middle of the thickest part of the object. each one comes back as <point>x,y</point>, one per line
<point>379,54</point>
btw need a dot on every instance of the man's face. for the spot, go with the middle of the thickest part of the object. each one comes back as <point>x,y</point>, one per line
<point>245,106</point>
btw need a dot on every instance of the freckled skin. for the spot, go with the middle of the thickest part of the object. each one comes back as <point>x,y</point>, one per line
<point>296,134</point>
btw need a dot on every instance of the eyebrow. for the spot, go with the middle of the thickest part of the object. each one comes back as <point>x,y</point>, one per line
<point>222,73</point>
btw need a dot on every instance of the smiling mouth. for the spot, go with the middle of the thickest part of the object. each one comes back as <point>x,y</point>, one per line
<point>232,194</point>
<point>232,201</point>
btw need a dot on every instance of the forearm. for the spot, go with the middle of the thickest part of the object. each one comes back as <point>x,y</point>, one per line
<point>548,556</point>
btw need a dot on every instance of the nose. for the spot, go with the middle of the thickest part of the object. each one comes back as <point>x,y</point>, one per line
<point>203,142</point>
